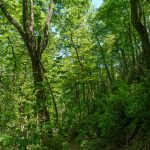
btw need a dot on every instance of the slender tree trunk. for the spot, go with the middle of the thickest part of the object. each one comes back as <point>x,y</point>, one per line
<point>104,61</point>
<point>54,103</point>
<point>131,46</point>
<point>83,94</point>
<point>78,100</point>
<point>125,64</point>
<point>14,61</point>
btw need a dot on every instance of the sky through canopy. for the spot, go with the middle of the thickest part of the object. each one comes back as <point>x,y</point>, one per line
<point>97,3</point>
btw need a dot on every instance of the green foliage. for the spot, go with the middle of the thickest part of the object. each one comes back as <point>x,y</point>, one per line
<point>97,88</point>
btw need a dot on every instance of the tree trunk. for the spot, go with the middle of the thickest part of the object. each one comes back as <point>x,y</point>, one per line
<point>136,15</point>
<point>38,76</point>
<point>41,110</point>
<point>104,61</point>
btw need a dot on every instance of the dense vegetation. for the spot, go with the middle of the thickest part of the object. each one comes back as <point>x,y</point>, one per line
<point>74,77</point>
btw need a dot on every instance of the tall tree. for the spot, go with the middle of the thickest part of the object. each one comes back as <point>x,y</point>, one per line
<point>137,14</point>
<point>35,46</point>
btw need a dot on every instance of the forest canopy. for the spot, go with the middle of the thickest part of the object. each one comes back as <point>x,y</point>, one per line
<point>74,76</point>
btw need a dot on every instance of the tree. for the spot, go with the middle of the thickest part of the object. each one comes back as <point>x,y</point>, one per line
<point>137,13</point>
<point>35,46</point>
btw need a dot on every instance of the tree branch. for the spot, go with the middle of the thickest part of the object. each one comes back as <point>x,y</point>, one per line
<point>12,20</point>
<point>76,50</point>
<point>17,25</point>
<point>31,17</point>
<point>47,24</point>
<point>25,15</point>
<point>135,18</point>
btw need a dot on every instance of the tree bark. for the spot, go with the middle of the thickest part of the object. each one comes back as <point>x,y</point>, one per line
<point>136,15</point>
